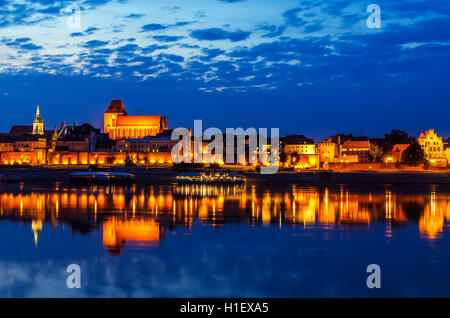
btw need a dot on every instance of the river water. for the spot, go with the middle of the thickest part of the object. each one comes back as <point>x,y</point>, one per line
<point>205,241</point>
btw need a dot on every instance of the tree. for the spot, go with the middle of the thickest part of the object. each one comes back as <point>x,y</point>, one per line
<point>376,152</point>
<point>398,137</point>
<point>413,155</point>
<point>283,157</point>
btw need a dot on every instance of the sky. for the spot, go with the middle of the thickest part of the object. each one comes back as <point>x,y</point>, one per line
<point>306,67</point>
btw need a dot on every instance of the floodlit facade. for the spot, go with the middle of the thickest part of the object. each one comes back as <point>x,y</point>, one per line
<point>352,149</point>
<point>301,149</point>
<point>328,152</point>
<point>431,144</point>
<point>118,124</point>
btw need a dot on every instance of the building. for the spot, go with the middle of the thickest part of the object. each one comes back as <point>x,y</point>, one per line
<point>38,123</point>
<point>118,124</point>
<point>447,155</point>
<point>355,149</point>
<point>6,144</point>
<point>396,154</point>
<point>161,144</point>
<point>302,149</point>
<point>328,152</point>
<point>432,145</point>
<point>77,138</point>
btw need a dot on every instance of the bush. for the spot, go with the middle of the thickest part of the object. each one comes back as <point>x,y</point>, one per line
<point>414,155</point>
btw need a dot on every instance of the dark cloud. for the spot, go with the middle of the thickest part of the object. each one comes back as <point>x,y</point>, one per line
<point>22,44</point>
<point>153,27</point>
<point>167,38</point>
<point>76,34</point>
<point>134,16</point>
<point>215,34</point>
<point>88,31</point>
<point>94,44</point>
<point>272,30</point>
<point>292,18</point>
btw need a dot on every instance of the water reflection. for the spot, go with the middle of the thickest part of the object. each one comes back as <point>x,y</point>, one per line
<point>142,216</point>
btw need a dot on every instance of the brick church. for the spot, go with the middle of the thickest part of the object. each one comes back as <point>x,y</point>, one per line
<point>118,124</point>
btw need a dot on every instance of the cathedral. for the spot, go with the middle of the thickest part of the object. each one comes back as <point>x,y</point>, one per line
<point>118,124</point>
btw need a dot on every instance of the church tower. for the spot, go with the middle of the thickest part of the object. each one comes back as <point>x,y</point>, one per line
<point>38,124</point>
<point>115,109</point>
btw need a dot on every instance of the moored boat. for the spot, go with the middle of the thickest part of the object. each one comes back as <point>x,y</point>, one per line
<point>219,177</point>
<point>101,177</point>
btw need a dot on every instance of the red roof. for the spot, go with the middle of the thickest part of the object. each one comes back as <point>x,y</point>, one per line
<point>400,147</point>
<point>356,144</point>
<point>116,106</point>
<point>17,131</point>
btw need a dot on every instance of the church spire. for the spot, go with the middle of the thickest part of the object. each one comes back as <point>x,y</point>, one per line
<point>38,118</point>
<point>38,123</point>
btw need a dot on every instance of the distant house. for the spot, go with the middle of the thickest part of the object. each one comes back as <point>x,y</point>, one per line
<point>396,154</point>
<point>328,151</point>
<point>18,131</point>
<point>355,149</point>
<point>432,145</point>
<point>77,138</point>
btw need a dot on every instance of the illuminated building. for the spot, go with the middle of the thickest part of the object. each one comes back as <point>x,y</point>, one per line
<point>162,144</point>
<point>433,147</point>
<point>352,149</point>
<point>301,149</point>
<point>77,138</point>
<point>38,124</point>
<point>396,154</point>
<point>118,124</point>
<point>327,152</point>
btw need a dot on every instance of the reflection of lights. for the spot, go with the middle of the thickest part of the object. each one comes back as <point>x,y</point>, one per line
<point>432,221</point>
<point>184,204</point>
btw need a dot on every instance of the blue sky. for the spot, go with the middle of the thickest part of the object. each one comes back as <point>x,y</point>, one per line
<point>311,67</point>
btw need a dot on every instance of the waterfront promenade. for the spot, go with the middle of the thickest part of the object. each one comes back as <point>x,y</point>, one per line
<point>167,175</point>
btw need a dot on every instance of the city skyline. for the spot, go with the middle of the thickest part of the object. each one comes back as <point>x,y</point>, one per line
<point>292,133</point>
<point>304,67</point>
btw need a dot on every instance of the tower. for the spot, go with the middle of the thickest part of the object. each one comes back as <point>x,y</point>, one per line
<point>54,139</point>
<point>38,123</point>
<point>115,109</point>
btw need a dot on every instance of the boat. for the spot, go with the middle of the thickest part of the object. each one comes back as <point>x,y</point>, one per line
<point>101,177</point>
<point>216,177</point>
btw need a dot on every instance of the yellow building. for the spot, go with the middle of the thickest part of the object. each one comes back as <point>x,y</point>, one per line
<point>119,125</point>
<point>432,145</point>
<point>360,149</point>
<point>327,152</point>
<point>301,149</point>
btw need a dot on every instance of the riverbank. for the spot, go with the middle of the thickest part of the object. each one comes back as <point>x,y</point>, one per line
<point>167,176</point>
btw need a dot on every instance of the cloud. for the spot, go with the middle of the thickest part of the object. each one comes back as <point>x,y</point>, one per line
<point>22,44</point>
<point>167,38</point>
<point>272,30</point>
<point>88,31</point>
<point>94,44</point>
<point>134,16</point>
<point>292,18</point>
<point>216,34</point>
<point>153,27</point>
